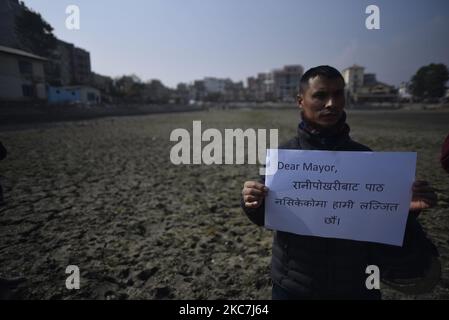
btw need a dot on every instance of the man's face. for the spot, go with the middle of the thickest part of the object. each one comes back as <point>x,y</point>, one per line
<point>323,101</point>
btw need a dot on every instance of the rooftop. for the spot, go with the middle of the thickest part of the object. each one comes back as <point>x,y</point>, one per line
<point>354,67</point>
<point>17,52</point>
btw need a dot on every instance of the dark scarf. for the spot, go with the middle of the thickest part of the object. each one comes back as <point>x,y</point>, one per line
<point>327,137</point>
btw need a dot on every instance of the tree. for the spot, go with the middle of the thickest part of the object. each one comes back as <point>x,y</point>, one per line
<point>34,33</point>
<point>182,94</point>
<point>129,88</point>
<point>429,82</point>
<point>156,92</point>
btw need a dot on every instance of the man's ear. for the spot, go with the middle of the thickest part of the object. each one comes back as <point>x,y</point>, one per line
<point>299,100</point>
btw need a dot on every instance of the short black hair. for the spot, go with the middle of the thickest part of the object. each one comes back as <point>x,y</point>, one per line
<point>327,72</point>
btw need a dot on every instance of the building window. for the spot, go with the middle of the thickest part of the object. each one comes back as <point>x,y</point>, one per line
<point>25,67</point>
<point>28,91</point>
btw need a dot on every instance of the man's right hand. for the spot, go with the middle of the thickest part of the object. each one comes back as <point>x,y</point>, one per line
<point>253,194</point>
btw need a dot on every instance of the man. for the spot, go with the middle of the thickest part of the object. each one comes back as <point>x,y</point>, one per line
<point>307,267</point>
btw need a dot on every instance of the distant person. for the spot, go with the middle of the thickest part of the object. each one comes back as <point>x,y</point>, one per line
<point>3,153</point>
<point>309,267</point>
<point>445,155</point>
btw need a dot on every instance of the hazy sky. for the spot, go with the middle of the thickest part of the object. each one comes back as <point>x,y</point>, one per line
<point>183,40</point>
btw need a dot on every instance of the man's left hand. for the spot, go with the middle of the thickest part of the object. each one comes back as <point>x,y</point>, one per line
<point>424,196</point>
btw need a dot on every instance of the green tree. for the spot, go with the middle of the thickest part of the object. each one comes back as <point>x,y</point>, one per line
<point>34,33</point>
<point>429,82</point>
<point>129,88</point>
<point>156,92</point>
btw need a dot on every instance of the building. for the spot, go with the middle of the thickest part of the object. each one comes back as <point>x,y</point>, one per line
<point>64,63</point>
<point>363,87</point>
<point>22,76</point>
<point>369,79</point>
<point>284,83</point>
<point>377,92</point>
<point>9,10</point>
<point>234,91</point>
<point>70,66</point>
<point>197,91</point>
<point>215,85</point>
<point>276,85</point>
<point>259,87</point>
<point>81,66</point>
<point>354,77</point>
<point>216,89</point>
<point>74,94</point>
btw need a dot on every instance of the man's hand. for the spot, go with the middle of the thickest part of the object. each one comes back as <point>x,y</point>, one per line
<point>253,194</point>
<point>424,196</point>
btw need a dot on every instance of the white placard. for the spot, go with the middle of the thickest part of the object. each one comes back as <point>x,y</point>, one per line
<point>362,196</point>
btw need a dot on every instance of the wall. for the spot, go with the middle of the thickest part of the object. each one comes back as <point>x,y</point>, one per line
<point>58,94</point>
<point>11,80</point>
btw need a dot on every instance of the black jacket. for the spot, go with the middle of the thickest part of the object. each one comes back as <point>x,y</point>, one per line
<point>2,152</point>
<point>317,268</point>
